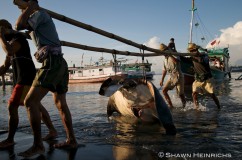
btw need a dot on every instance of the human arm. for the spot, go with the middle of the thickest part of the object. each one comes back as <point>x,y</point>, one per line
<point>9,48</point>
<point>28,9</point>
<point>4,68</point>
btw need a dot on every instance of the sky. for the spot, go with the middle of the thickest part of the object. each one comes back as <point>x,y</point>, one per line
<point>144,22</point>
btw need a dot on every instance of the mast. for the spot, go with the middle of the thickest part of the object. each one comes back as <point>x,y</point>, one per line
<point>191,23</point>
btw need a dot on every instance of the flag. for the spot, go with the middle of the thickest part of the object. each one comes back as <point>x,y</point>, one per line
<point>213,42</point>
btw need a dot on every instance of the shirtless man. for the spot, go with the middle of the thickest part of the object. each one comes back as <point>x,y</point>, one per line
<point>18,55</point>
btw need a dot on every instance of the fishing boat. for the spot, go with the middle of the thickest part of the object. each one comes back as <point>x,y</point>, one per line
<point>236,69</point>
<point>95,73</point>
<point>221,54</point>
<point>222,70</point>
<point>103,69</point>
<point>138,70</point>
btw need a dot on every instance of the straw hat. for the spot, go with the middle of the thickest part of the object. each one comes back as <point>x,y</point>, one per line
<point>192,46</point>
<point>5,23</point>
<point>163,47</point>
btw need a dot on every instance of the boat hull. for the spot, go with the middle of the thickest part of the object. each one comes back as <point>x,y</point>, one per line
<point>218,74</point>
<point>148,75</point>
<point>93,79</point>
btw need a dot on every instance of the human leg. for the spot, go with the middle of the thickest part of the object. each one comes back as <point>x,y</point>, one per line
<point>16,99</point>
<point>33,105</point>
<point>195,100</point>
<point>165,93</point>
<point>60,101</point>
<point>196,87</point>
<point>167,97</point>
<point>180,92</point>
<point>215,99</point>
<point>12,127</point>
<point>46,119</point>
<point>183,100</point>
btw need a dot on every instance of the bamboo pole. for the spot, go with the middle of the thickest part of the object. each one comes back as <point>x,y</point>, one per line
<point>106,34</point>
<point>113,51</point>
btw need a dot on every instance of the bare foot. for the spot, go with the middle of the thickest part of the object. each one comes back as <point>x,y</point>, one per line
<point>196,108</point>
<point>32,151</point>
<point>66,144</point>
<point>6,143</point>
<point>51,135</point>
<point>170,106</point>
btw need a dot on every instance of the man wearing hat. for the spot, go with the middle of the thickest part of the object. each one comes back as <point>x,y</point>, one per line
<point>18,55</point>
<point>203,75</point>
<point>173,67</point>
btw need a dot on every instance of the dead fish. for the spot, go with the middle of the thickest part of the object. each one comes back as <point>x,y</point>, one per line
<point>137,98</point>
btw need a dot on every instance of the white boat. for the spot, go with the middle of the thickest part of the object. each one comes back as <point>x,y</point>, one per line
<point>94,74</point>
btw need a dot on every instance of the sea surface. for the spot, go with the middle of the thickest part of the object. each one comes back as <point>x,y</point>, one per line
<point>207,133</point>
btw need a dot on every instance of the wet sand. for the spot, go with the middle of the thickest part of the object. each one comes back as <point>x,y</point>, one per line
<point>84,151</point>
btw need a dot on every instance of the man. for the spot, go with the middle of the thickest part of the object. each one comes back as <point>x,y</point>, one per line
<point>176,79</point>
<point>52,76</point>
<point>18,55</point>
<point>203,75</point>
<point>172,45</point>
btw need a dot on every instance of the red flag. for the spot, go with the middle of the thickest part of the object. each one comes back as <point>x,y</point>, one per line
<point>213,42</point>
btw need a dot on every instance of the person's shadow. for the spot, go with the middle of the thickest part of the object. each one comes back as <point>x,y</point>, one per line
<point>49,155</point>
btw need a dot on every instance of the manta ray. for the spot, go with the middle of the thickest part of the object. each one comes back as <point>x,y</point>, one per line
<point>137,98</point>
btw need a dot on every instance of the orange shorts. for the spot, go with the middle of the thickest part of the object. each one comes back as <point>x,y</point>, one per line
<point>18,95</point>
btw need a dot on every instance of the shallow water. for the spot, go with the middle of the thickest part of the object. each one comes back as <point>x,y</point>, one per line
<point>207,133</point>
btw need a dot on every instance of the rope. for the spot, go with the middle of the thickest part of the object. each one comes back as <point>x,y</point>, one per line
<point>115,63</point>
<point>143,66</point>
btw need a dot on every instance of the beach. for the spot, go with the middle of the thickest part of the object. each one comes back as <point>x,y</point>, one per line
<point>207,133</point>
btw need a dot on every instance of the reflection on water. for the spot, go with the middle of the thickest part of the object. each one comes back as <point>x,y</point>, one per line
<point>207,131</point>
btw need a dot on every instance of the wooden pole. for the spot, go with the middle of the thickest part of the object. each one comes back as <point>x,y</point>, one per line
<point>104,33</point>
<point>113,51</point>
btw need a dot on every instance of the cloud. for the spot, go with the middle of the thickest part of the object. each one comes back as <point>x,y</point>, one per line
<point>156,61</point>
<point>153,42</point>
<point>232,37</point>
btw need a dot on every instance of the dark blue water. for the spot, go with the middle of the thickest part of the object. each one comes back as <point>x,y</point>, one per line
<point>207,133</point>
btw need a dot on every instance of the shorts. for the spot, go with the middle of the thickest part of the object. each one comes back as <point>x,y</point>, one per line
<point>205,86</point>
<point>179,86</point>
<point>18,95</point>
<point>53,74</point>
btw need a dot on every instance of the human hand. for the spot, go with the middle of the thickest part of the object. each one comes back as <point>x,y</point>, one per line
<point>161,83</point>
<point>2,30</point>
<point>20,3</point>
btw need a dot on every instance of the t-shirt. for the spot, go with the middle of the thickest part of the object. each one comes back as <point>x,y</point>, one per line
<point>44,31</point>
